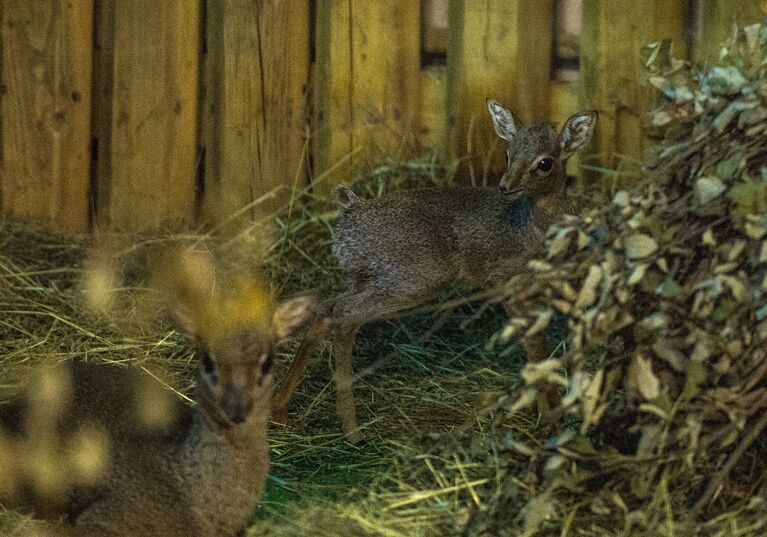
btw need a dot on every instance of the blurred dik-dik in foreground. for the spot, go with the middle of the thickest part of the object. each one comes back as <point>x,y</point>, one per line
<point>400,251</point>
<point>199,477</point>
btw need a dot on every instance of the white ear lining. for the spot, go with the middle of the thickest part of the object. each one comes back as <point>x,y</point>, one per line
<point>503,120</point>
<point>577,132</point>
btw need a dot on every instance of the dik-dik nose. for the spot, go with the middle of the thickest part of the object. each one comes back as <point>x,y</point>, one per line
<point>509,185</point>
<point>237,406</point>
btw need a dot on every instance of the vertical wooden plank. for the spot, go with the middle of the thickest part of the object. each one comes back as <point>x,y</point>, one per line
<point>45,100</point>
<point>257,73</point>
<point>434,26</point>
<point>153,149</point>
<point>433,120</point>
<point>366,85</point>
<point>284,45</point>
<point>101,121</point>
<point>719,16</point>
<point>332,90</point>
<point>614,32</point>
<point>497,49</point>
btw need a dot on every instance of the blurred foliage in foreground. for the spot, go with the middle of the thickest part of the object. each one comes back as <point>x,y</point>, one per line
<point>663,421</point>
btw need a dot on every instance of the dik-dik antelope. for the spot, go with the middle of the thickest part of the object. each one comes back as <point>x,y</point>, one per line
<point>400,251</point>
<point>203,476</point>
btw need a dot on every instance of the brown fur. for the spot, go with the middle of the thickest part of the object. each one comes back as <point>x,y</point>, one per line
<point>401,250</point>
<point>203,476</point>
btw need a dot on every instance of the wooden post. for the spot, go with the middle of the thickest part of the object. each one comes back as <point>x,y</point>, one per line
<point>498,49</point>
<point>152,141</point>
<point>432,124</point>
<point>719,16</point>
<point>257,71</point>
<point>614,32</point>
<point>45,99</point>
<point>366,98</point>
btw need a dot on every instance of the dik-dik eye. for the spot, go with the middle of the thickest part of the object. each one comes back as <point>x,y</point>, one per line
<point>544,165</point>
<point>209,367</point>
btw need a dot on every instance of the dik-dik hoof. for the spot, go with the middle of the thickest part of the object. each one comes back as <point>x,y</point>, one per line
<point>280,417</point>
<point>357,439</point>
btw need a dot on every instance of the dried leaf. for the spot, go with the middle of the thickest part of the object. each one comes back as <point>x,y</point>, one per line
<point>647,382</point>
<point>638,274</point>
<point>588,293</point>
<point>640,245</point>
<point>708,189</point>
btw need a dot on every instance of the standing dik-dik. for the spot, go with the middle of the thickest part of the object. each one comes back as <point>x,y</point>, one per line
<point>203,477</point>
<point>401,250</point>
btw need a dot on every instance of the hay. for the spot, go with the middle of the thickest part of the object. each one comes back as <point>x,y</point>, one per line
<point>419,378</point>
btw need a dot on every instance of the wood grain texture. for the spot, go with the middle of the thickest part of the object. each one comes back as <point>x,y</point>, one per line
<point>432,125</point>
<point>501,50</point>
<point>103,98</point>
<point>614,32</point>
<point>366,92</point>
<point>720,15</point>
<point>45,100</point>
<point>153,133</point>
<point>257,71</point>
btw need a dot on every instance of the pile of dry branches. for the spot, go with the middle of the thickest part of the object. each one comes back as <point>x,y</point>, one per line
<point>665,292</point>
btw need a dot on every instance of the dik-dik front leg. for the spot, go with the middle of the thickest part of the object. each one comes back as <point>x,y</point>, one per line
<point>537,351</point>
<point>343,347</point>
<point>314,334</point>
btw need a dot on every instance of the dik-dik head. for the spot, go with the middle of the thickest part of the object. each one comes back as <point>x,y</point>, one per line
<point>234,336</point>
<point>536,155</point>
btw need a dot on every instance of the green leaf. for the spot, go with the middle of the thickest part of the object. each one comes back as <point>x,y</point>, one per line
<point>708,189</point>
<point>669,288</point>
<point>726,169</point>
<point>696,376</point>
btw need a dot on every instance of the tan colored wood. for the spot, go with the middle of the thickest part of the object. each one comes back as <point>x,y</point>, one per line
<point>614,32</point>
<point>366,86</point>
<point>434,14</point>
<point>501,50</point>
<point>257,73</point>
<point>718,17</point>
<point>103,84</point>
<point>153,138</point>
<point>432,126</point>
<point>45,102</point>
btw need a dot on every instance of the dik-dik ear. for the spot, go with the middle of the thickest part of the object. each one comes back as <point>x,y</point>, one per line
<point>189,282</point>
<point>503,120</point>
<point>577,132</point>
<point>293,314</point>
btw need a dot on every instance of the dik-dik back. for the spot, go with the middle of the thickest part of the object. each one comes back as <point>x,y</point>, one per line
<point>423,239</point>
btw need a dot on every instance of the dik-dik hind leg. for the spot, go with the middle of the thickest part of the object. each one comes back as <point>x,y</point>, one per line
<point>343,346</point>
<point>537,351</point>
<point>314,334</point>
<point>352,311</point>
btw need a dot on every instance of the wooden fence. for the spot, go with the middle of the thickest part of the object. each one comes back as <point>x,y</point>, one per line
<point>145,114</point>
